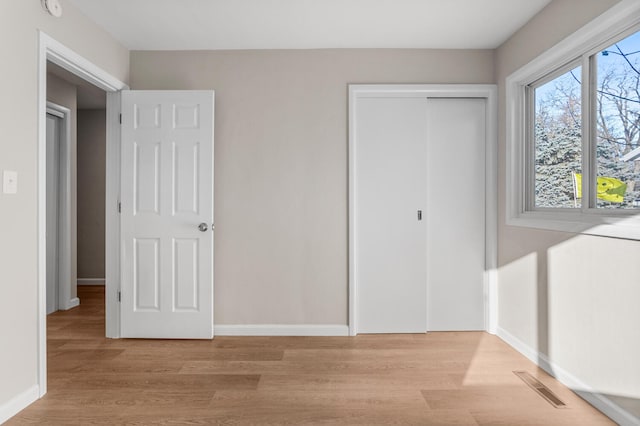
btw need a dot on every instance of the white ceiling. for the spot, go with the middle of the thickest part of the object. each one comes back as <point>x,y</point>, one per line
<point>307,24</point>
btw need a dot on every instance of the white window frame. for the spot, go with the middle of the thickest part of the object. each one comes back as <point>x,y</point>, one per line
<point>618,22</point>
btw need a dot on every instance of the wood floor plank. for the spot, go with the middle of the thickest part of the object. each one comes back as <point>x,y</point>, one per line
<point>85,354</point>
<point>335,367</point>
<point>413,379</point>
<point>158,354</point>
<point>166,382</point>
<point>98,399</point>
<point>364,399</point>
<point>346,383</point>
<point>120,366</point>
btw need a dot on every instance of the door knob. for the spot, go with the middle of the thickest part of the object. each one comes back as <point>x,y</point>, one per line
<point>203,227</point>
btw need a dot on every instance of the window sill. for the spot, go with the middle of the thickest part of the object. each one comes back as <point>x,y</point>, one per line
<point>624,226</point>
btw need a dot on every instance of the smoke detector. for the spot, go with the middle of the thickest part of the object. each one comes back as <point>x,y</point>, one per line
<point>53,7</point>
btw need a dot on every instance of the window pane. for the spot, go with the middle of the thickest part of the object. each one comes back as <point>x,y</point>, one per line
<point>618,118</point>
<point>558,143</point>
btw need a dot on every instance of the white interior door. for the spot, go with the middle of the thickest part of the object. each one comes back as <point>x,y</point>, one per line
<point>53,161</point>
<point>456,150</point>
<point>390,238</point>
<point>167,214</point>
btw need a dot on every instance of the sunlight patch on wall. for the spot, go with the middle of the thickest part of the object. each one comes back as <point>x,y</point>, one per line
<point>594,315</point>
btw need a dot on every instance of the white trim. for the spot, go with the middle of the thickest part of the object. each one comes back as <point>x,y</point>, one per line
<point>18,403</point>
<point>586,392</point>
<point>584,42</point>
<point>42,218</point>
<point>90,281</point>
<point>50,49</point>
<point>54,109</point>
<point>112,217</point>
<point>71,304</point>
<point>486,91</point>
<point>66,58</point>
<point>281,330</point>
<point>491,212</point>
<point>491,296</point>
<point>352,217</point>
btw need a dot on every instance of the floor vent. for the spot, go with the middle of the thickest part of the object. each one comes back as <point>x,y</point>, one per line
<point>541,389</point>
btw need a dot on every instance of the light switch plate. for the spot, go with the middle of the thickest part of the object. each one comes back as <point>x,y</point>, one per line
<point>9,182</point>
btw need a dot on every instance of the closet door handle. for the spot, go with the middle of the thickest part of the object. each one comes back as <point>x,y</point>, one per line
<point>419,214</point>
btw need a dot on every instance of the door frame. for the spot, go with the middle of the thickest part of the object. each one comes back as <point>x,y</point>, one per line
<point>481,91</point>
<point>64,300</point>
<point>50,49</point>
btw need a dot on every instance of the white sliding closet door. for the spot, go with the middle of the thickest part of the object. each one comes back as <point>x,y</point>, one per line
<point>390,180</point>
<point>456,214</point>
<point>418,219</point>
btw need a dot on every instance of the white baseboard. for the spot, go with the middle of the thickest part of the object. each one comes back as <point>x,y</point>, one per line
<point>281,330</point>
<point>18,403</point>
<point>90,281</point>
<point>519,345</point>
<point>71,304</point>
<point>586,392</point>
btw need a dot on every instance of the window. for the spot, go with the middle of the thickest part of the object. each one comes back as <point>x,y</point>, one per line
<point>573,131</point>
<point>556,128</point>
<point>618,124</point>
<point>557,139</point>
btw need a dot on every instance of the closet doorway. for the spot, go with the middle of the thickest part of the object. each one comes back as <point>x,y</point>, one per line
<point>422,208</point>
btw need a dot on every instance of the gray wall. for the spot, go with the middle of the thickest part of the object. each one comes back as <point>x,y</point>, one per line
<point>281,165</point>
<point>19,24</point>
<point>92,127</point>
<point>556,296</point>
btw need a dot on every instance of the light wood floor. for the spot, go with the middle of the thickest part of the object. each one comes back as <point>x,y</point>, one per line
<point>432,379</point>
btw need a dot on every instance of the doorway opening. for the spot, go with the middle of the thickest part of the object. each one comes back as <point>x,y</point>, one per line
<point>51,52</point>
<point>75,173</point>
<point>405,277</point>
<point>163,132</point>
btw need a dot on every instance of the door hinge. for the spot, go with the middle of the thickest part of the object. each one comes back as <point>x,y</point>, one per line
<point>120,118</point>
<point>119,207</point>
<point>119,296</point>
